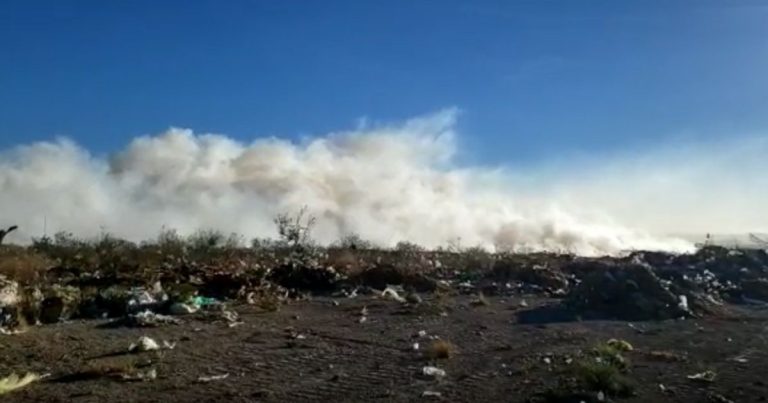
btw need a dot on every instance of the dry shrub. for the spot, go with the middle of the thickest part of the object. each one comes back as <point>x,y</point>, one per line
<point>440,349</point>
<point>22,265</point>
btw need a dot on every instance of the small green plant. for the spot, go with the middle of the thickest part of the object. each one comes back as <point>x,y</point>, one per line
<point>605,369</point>
<point>603,377</point>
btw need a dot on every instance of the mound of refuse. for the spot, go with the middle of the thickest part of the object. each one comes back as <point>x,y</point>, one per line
<point>626,292</point>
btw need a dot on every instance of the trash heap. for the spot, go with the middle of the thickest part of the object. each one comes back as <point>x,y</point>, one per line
<point>626,292</point>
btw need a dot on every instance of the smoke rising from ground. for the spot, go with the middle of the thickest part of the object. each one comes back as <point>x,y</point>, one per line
<point>386,183</point>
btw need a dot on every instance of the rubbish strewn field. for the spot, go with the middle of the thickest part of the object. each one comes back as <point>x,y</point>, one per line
<point>345,324</point>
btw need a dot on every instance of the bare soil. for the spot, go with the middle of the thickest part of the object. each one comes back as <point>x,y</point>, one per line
<point>317,350</point>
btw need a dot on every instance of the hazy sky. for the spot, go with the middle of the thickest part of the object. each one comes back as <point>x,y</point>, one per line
<point>532,79</point>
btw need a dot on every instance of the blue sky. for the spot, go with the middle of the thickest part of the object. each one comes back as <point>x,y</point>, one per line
<point>533,79</point>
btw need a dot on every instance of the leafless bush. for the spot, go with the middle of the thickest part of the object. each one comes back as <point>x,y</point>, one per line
<point>295,229</point>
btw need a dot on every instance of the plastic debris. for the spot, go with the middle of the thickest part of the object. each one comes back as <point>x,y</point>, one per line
<point>429,393</point>
<point>363,315</point>
<point>13,382</point>
<point>9,299</point>
<point>9,292</point>
<point>416,346</point>
<point>683,303</point>
<point>706,376</point>
<point>144,344</point>
<point>142,299</point>
<point>392,294</point>
<point>433,372</point>
<point>148,375</point>
<point>149,319</point>
<point>212,378</point>
<point>202,302</point>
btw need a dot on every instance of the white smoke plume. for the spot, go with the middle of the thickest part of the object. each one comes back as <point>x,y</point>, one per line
<point>386,183</point>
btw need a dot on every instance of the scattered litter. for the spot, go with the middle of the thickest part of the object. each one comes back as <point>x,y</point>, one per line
<point>149,319</point>
<point>429,393</point>
<point>433,372</point>
<point>13,382</point>
<point>148,375</point>
<point>706,376</point>
<point>213,378</point>
<point>392,294</point>
<point>9,332</point>
<point>9,292</point>
<point>202,302</point>
<point>683,303</point>
<point>416,346</point>
<point>147,344</point>
<point>363,315</point>
<point>523,303</point>
<point>465,285</point>
<point>144,344</point>
<point>600,396</point>
<point>232,317</point>
<point>547,360</point>
<point>421,333</point>
<point>141,299</point>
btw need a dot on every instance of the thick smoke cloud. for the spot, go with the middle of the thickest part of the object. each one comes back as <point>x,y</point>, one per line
<point>386,183</point>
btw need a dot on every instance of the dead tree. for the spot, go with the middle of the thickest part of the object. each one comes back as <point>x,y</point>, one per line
<point>4,232</point>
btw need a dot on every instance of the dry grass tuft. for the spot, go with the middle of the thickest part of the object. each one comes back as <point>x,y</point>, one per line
<point>440,349</point>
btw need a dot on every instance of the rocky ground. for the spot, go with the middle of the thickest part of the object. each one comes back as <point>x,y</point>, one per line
<point>450,327</point>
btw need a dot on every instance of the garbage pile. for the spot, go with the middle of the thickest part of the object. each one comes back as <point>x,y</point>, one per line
<point>640,286</point>
<point>626,292</point>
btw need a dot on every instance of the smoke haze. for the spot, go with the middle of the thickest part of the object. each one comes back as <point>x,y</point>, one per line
<point>387,183</point>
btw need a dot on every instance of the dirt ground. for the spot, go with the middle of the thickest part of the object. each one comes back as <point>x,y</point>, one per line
<point>319,351</point>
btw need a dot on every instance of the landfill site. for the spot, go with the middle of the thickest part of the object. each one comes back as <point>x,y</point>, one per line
<point>177,320</point>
